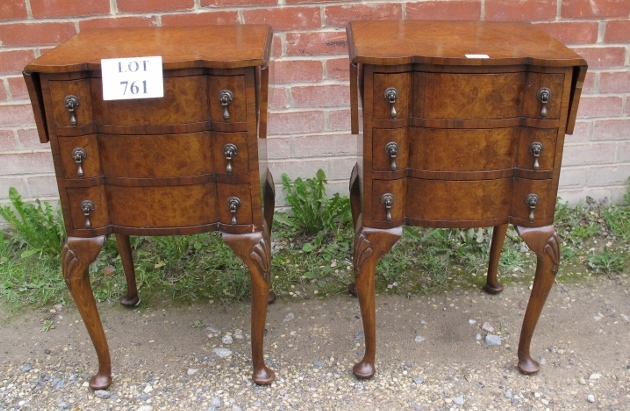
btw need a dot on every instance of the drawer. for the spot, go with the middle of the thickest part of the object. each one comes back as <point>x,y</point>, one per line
<point>487,96</point>
<point>230,153</point>
<point>390,150</point>
<point>461,201</point>
<point>165,206</point>
<point>72,102</point>
<point>533,202</point>
<point>391,99</point>
<point>88,207</point>
<point>462,149</point>
<point>184,101</point>
<point>235,204</point>
<point>228,99</point>
<point>388,201</point>
<point>537,149</point>
<point>151,156</point>
<point>80,157</point>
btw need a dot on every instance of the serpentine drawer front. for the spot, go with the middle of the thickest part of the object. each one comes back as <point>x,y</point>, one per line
<point>463,126</point>
<point>191,161</point>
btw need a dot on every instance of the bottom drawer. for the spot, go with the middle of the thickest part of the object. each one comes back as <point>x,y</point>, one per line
<point>161,206</point>
<point>478,203</point>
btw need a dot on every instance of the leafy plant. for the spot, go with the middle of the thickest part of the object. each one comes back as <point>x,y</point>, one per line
<point>38,227</point>
<point>606,262</point>
<point>313,211</point>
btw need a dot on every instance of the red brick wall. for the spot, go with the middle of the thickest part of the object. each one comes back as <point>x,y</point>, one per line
<point>310,118</point>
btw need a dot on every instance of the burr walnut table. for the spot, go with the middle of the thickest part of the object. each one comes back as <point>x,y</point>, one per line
<point>463,126</point>
<point>189,162</point>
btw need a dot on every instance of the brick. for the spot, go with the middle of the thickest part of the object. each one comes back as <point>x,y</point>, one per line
<point>278,98</point>
<point>339,16</point>
<point>46,9</point>
<point>599,107</point>
<point>42,186</point>
<point>617,31</point>
<point>13,61</point>
<point>297,168</point>
<point>115,22</point>
<point>29,140</point>
<point>608,175</point>
<point>191,19</point>
<point>277,45</point>
<point>444,10</point>
<point>285,18</point>
<point>310,1</point>
<point>325,146</point>
<point>300,122</point>
<point>17,87</point>
<point>4,96</point>
<point>312,44</point>
<point>573,177</point>
<point>590,153</point>
<point>623,152</point>
<point>572,196</point>
<point>572,32</point>
<point>25,163</point>
<point>7,141</point>
<point>603,57</point>
<point>231,3</point>
<point>339,120</point>
<point>520,10</point>
<point>580,9</point>
<point>6,183</point>
<point>13,10</point>
<point>589,83</point>
<point>611,129</point>
<point>17,115</point>
<point>581,133</point>
<point>341,168</point>
<point>36,34</point>
<point>618,82</point>
<point>337,69</point>
<point>148,6</point>
<point>297,71</point>
<point>321,96</point>
<point>279,148</point>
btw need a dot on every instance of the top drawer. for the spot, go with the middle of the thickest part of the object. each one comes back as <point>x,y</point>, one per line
<point>187,100</point>
<point>467,96</point>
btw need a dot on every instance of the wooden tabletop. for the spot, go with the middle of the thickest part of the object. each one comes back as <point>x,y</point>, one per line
<point>449,42</point>
<point>228,46</point>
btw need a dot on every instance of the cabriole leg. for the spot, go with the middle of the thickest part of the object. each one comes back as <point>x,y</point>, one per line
<point>498,237</point>
<point>77,255</point>
<point>131,299</point>
<point>370,245</point>
<point>255,251</point>
<point>544,242</point>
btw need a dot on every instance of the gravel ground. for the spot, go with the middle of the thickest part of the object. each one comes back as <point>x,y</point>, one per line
<point>432,354</point>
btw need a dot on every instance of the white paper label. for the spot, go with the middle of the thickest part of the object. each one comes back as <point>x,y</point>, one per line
<point>132,78</point>
<point>477,56</point>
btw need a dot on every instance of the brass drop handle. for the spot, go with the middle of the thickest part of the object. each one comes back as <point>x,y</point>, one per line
<point>87,207</point>
<point>391,95</point>
<point>535,149</point>
<point>388,201</point>
<point>226,98</point>
<point>392,151</point>
<point>234,204</point>
<point>79,155</point>
<point>72,103</point>
<point>544,95</point>
<point>532,201</point>
<point>229,151</point>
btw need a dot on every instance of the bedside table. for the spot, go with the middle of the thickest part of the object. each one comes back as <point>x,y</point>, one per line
<point>189,162</point>
<point>463,126</point>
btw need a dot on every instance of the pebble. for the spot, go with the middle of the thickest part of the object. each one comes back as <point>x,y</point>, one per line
<point>459,400</point>
<point>492,339</point>
<point>419,338</point>
<point>418,380</point>
<point>508,394</point>
<point>26,368</point>
<point>192,371</point>
<point>289,317</point>
<point>104,394</point>
<point>487,327</point>
<point>222,352</point>
<point>227,339</point>
<point>472,322</point>
<point>591,398</point>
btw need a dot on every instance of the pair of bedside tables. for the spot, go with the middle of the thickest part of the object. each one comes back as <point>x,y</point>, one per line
<point>463,126</point>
